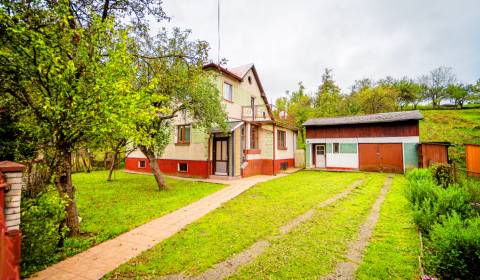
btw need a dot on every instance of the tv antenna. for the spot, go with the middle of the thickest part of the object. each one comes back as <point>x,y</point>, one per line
<point>218,31</point>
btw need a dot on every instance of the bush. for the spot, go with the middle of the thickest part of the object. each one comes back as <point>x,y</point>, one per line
<point>40,223</point>
<point>453,248</point>
<point>443,174</point>
<point>420,186</point>
<point>439,204</point>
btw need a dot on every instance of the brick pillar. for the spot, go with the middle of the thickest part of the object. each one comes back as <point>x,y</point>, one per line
<point>11,184</point>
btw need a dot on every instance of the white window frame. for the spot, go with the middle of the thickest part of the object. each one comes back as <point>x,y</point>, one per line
<point>178,167</point>
<point>229,98</point>
<point>144,163</point>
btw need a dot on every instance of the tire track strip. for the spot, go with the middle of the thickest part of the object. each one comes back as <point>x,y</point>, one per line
<point>228,267</point>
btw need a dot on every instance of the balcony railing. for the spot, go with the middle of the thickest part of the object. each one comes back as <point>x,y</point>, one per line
<point>255,113</point>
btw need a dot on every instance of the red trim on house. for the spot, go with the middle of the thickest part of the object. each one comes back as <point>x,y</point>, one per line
<point>252,151</point>
<point>341,168</point>
<point>266,166</point>
<point>196,168</point>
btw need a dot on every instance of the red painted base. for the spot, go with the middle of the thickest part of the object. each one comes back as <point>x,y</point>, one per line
<point>195,168</point>
<point>266,166</point>
<point>201,169</point>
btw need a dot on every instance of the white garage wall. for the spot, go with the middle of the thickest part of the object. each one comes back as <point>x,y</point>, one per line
<point>342,160</point>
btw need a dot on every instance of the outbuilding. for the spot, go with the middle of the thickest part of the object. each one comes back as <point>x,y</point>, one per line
<point>385,142</point>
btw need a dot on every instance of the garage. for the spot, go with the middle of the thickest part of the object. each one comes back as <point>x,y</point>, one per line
<point>384,142</point>
<point>381,157</point>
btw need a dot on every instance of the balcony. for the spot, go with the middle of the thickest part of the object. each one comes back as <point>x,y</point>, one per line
<point>255,113</point>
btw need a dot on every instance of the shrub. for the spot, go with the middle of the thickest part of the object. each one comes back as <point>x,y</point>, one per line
<point>453,248</point>
<point>420,186</point>
<point>419,174</point>
<point>439,204</point>
<point>443,174</point>
<point>40,223</point>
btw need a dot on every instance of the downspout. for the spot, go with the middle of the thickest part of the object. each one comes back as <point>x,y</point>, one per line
<point>233,153</point>
<point>274,148</point>
<point>208,157</point>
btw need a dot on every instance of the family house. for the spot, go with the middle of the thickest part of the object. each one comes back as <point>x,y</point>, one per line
<point>386,142</point>
<point>255,143</point>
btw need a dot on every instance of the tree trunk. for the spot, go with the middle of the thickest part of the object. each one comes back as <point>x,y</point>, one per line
<point>154,168</point>
<point>112,166</point>
<point>63,182</point>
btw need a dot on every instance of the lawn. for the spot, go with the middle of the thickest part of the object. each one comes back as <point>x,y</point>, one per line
<point>108,209</point>
<point>314,248</point>
<point>254,215</point>
<point>394,247</point>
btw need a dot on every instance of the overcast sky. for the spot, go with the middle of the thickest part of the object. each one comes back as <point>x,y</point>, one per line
<point>292,41</point>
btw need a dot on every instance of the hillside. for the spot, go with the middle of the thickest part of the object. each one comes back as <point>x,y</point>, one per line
<point>455,126</point>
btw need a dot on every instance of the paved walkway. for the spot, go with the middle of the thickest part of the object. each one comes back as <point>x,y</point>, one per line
<point>105,257</point>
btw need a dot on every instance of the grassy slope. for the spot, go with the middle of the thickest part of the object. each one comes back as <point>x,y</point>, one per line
<point>108,209</point>
<point>253,215</point>
<point>456,126</point>
<point>314,248</point>
<point>394,247</point>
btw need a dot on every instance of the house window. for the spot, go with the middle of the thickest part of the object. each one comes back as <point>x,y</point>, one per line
<point>281,140</point>
<point>253,137</point>
<point>336,148</point>
<point>249,80</point>
<point>182,167</point>
<point>183,136</point>
<point>227,91</point>
<point>142,164</point>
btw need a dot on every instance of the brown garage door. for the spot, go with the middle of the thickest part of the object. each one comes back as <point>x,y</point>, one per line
<point>381,157</point>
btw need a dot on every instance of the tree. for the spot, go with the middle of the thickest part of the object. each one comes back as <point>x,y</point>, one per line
<point>362,84</point>
<point>436,83</point>
<point>173,81</point>
<point>409,92</point>
<point>458,93</point>
<point>377,100</point>
<point>327,97</point>
<point>69,79</point>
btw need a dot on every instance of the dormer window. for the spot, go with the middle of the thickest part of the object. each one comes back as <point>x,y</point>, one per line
<point>227,91</point>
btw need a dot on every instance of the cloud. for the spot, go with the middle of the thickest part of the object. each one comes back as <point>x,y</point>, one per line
<point>292,41</point>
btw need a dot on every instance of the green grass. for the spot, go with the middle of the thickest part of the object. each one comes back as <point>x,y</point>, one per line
<point>108,209</point>
<point>456,126</point>
<point>314,248</point>
<point>394,247</point>
<point>254,215</point>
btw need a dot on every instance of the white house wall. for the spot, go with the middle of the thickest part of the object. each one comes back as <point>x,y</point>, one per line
<point>342,160</point>
<point>291,140</point>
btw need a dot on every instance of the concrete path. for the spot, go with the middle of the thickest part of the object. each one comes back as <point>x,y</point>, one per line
<point>105,257</point>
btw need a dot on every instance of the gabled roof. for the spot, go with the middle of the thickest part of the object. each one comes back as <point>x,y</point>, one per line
<point>241,70</point>
<point>374,118</point>
<point>238,73</point>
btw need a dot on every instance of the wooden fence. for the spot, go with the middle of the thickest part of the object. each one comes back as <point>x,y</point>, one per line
<point>472,158</point>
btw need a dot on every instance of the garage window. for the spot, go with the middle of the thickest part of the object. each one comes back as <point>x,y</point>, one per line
<point>336,148</point>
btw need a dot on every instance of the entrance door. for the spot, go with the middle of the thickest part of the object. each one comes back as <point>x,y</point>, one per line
<point>220,156</point>
<point>320,156</point>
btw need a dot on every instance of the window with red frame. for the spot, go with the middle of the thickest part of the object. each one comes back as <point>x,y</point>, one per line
<point>253,137</point>
<point>183,136</point>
